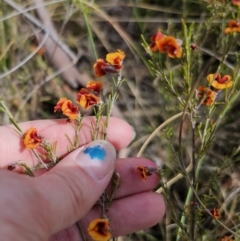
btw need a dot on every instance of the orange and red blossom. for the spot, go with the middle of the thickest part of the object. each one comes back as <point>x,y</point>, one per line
<point>233,27</point>
<point>31,139</point>
<point>153,39</point>
<point>58,106</point>
<point>86,99</point>
<point>67,107</point>
<point>218,82</point>
<point>145,171</point>
<point>99,229</point>
<point>100,67</point>
<point>70,110</point>
<point>168,44</point>
<point>116,59</point>
<point>235,2</point>
<point>112,66</point>
<point>206,94</point>
<point>95,86</point>
<point>215,213</point>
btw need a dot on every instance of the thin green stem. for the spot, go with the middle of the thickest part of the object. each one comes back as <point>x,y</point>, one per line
<point>81,231</point>
<point>85,15</point>
<point>194,185</point>
<point>40,159</point>
<point>28,170</point>
<point>187,67</point>
<point>6,110</point>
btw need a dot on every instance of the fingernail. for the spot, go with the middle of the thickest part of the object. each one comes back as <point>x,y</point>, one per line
<point>97,158</point>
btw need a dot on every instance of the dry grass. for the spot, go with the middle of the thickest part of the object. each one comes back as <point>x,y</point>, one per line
<point>33,88</point>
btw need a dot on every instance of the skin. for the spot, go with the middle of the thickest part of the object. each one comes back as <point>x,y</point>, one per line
<point>48,206</point>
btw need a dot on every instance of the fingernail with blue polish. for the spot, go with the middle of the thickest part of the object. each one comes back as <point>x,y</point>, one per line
<point>97,158</point>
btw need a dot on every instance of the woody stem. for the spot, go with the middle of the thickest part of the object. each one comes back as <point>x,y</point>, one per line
<point>193,183</point>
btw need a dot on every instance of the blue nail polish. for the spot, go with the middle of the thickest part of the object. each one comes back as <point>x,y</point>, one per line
<point>96,152</point>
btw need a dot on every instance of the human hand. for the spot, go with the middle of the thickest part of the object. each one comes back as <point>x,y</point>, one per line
<point>48,206</point>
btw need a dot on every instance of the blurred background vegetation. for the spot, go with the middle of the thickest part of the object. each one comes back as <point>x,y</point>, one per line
<point>33,78</point>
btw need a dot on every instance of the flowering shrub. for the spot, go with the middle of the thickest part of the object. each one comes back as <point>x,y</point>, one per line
<point>187,103</point>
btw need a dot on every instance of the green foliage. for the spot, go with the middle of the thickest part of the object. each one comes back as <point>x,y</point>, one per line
<point>200,147</point>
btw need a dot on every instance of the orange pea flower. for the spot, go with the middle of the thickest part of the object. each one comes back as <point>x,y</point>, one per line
<point>31,139</point>
<point>99,229</point>
<point>67,107</point>
<point>145,171</point>
<point>70,110</point>
<point>206,94</point>
<point>58,106</point>
<point>233,27</point>
<point>153,39</point>
<point>95,86</point>
<point>116,59</point>
<point>101,68</point>
<point>87,99</point>
<point>227,238</point>
<point>169,44</point>
<point>235,2</point>
<point>216,213</point>
<point>219,82</point>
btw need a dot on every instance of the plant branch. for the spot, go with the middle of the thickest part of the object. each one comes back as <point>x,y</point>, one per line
<point>156,131</point>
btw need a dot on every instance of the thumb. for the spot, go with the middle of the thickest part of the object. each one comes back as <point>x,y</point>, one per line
<point>71,188</point>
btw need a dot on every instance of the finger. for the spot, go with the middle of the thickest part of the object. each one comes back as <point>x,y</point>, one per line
<point>142,211</point>
<point>127,215</point>
<point>130,180</point>
<point>119,133</point>
<point>130,214</point>
<point>130,183</point>
<point>71,188</point>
